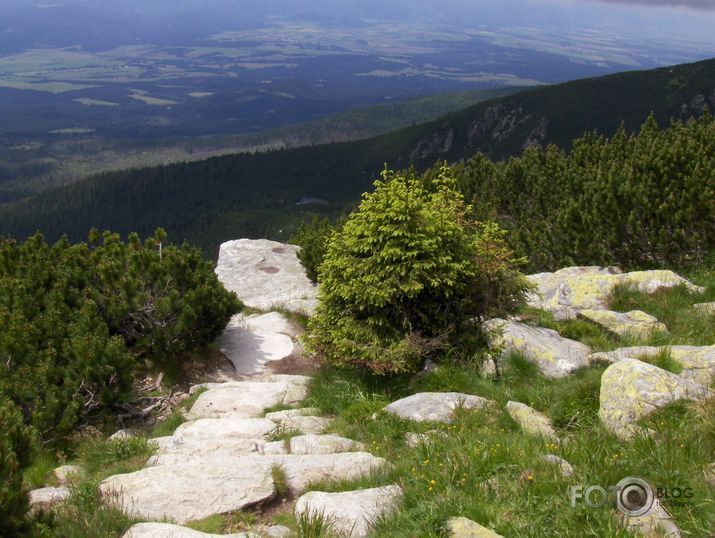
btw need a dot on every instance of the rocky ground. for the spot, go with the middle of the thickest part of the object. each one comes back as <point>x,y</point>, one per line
<point>249,440</point>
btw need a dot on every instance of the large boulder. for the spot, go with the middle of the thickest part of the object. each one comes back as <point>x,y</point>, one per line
<point>555,356</point>
<point>571,289</point>
<point>249,342</point>
<point>634,324</point>
<point>191,491</point>
<point>350,513</point>
<point>266,275</point>
<point>434,406</point>
<point>698,362</point>
<point>567,291</point>
<point>167,530</point>
<point>631,390</point>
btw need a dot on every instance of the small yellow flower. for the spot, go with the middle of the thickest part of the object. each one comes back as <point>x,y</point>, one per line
<point>529,478</point>
<point>425,462</point>
<point>433,482</point>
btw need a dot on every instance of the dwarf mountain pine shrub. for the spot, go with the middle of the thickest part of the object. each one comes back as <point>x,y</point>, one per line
<point>16,441</point>
<point>78,320</point>
<point>408,270</point>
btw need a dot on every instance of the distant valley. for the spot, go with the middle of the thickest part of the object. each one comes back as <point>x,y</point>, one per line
<point>180,86</point>
<point>259,195</point>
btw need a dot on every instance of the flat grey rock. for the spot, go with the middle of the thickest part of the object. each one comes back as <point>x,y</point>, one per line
<point>249,342</point>
<point>214,437</point>
<point>434,406</point>
<point>47,498</point>
<point>351,513</point>
<point>167,530</point>
<point>555,356</point>
<point>279,416</point>
<point>305,425</point>
<point>303,470</point>
<point>323,444</point>
<point>244,398</point>
<point>266,275</point>
<point>191,491</point>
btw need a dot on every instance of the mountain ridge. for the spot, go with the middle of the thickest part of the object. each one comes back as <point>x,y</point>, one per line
<point>210,201</point>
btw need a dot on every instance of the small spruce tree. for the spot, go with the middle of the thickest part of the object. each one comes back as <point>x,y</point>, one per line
<point>408,269</point>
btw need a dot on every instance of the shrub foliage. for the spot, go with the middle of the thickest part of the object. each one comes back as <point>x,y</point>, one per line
<point>312,237</point>
<point>16,442</point>
<point>78,320</point>
<point>640,200</point>
<point>408,268</point>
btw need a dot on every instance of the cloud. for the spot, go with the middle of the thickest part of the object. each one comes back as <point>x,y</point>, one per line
<point>692,4</point>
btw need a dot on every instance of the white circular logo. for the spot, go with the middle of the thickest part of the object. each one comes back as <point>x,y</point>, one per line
<point>634,496</point>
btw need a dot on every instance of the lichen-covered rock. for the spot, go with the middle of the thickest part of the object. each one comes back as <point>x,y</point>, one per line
<point>635,324</point>
<point>555,356</point>
<point>698,362</point>
<point>434,406</point>
<point>47,498</point>
<point>167,530</point>
<point>571,289</point>
<point>461,527</point>
<point>350,513</point>
<point>191,491</point>
<point>567,291</point>
<point>249,342</point>
<point>565,468</point>
<point>631,390</point>
<point>266,275</point>
<point>656,280</point>
<point>532,421</point>
<point>302,470</point>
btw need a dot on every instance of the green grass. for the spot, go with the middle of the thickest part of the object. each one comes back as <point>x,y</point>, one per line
<point>674,307</point>
<point>485,468</point>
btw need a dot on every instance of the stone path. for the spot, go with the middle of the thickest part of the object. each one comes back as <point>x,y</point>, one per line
<point>232,454</point>
<point>266,275</point>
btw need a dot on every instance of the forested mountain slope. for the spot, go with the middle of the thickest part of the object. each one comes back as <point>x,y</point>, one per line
<point>258,195</point>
